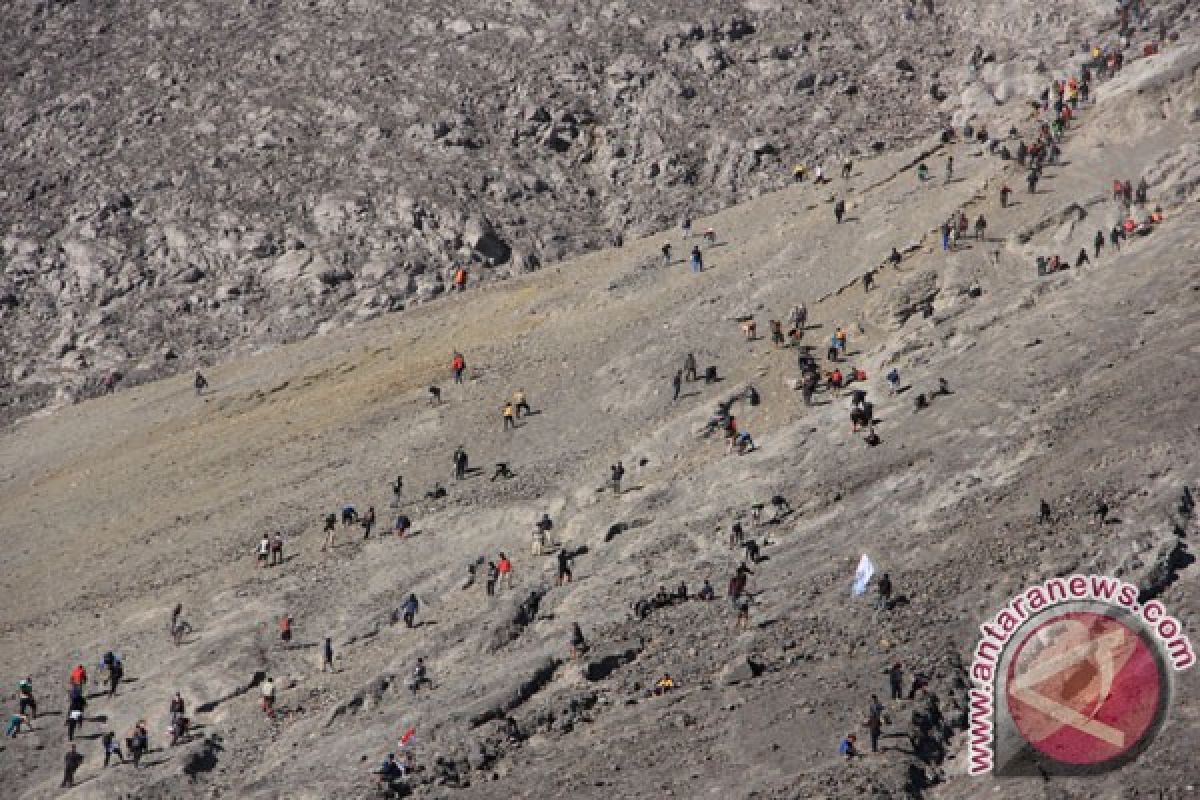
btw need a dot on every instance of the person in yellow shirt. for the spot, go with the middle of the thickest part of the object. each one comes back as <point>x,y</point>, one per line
<point>509,416</point>
<point>520,403</point>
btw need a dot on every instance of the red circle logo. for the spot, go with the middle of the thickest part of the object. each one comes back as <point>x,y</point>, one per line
<point>1084,688</point>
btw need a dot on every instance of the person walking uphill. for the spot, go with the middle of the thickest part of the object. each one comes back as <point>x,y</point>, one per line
<point>411,606</point>
<point>689,367</point>
<point>617,473</point>
<point>697,260</point>
<point>71,763</point>
<point>327,656</point>
<point>458,366</point>
<point>676,385</point>
<point>839,210</point>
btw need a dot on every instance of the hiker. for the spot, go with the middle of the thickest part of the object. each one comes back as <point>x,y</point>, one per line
<point>403,523</point>
<point>28,705</point>
<point>277,549</point>
<point>1043,512</point>
<point>777,333</point>
<point>579,645</point>
<point>111,748</point>
<point>178,707</point>
<point>505,568</point>
<point>14,725</point>
<point>138,742</point>
<point>742,621</point>
<point>894,258</point>
<point>949,169</point>
<point>798,317</point>
<point>267,691</point>
<point>1082,258</point>
<point>676,385</point>
<point>502,471</point>
<point>510,416</point>
<point>390,770</point>
<point>368,522</point>
<point>285,628</point>
<point>71,763</point>
<point>893,381</point>
<point>178,729</point>
<point>922,172</point>
<point>689,367</point>
<point>895,675</point>
<point>435,395</point>
<point>116,671</point>
<point>349,516</point>
<point>458,365</point>
<point>980,227</point>
<point>330,532</point>
<point>868,280</point>
<point>686,227</point>
<point>460,279</point>
<point>736,535</point>
<point>1005,193</point>
<point>564,567</point>
<point>706,592</point>
<point>73,721</point>
<point>327,656</point>
<point>179,627</point>
<point>847,165</point>
<point>839,209</point>
<point>710,375</point>
<point>697,259</point>
<point>741,444</point>
<point>883,588</point>
<point>617,473</point>
<point>460,463</point>
<point>1098,244</point>
<point>871,438</point>
<point>781,507</point>
<point>710,236</point>
<point>493,573</point>
<point>752,553</point>
<point>420,676</point>
<point>264,550</point>
<point>79,677</point>
<point>664,684</point>
<point>1100,515</point>
<point>666,253</point>
<point>847,747</point>
<point>409,610</point>
<point>875,713</point>
<point>750,330</point>
<point>520,403</point>
<point>201,383</point>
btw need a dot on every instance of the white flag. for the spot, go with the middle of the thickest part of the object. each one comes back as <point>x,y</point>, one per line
<point>862,575</point>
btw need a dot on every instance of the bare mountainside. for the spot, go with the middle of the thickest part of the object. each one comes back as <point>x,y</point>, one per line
<point>182,180</point>
<point>1077,387</point>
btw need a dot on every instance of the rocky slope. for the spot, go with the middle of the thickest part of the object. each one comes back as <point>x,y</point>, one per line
<point>179,181</point>
<point>1075,387</point>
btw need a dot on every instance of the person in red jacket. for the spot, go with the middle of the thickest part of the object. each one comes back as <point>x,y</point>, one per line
<point>458,365</point>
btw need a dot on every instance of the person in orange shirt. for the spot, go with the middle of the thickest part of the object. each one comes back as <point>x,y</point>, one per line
<point>460,279</point>
<point>79,676</point>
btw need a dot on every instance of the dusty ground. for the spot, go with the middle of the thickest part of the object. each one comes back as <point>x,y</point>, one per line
<point>1073,387</point>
